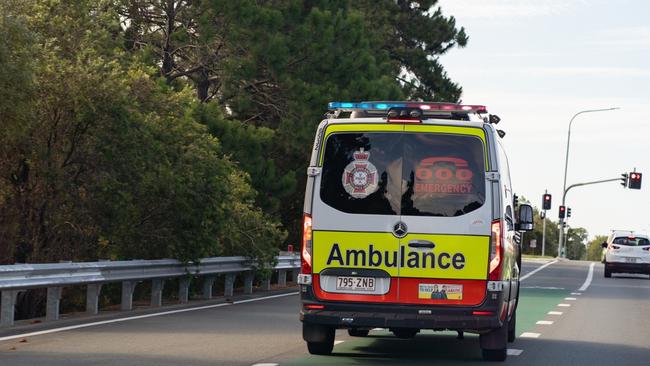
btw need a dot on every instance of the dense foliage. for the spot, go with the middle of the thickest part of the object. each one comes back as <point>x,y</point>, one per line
<point>181,128</point>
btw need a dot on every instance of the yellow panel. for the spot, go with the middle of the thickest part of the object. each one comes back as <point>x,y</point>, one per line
<point>454,256</point>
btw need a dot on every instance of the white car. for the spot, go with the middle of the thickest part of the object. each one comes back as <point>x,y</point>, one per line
<point>626,252</point>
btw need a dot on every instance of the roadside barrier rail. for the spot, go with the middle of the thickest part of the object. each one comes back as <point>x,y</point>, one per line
<point>55,276</point>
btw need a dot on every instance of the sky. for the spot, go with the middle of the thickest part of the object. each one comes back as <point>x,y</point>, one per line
<point>537,63</point>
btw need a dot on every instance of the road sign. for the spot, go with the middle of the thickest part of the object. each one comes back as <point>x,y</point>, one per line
<point>533,243</point>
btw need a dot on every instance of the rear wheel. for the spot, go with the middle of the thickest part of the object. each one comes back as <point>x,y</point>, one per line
<point>355,332</point>
<point>494,345</point>
<point>512,328</point>
<point>608,272</point>
<point>405,333</point>
<point>319,338</point>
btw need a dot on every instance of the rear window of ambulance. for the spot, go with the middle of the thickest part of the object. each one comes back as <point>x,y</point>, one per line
<point>399,173</point>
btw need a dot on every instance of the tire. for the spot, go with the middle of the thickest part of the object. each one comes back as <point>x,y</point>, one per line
<point>354,332</point>
<point>494,345</point>
<point>319,338</point>
<point>499,355</point>
<point>405,333</point>
<point>512,328</point>
<point>608,272</point>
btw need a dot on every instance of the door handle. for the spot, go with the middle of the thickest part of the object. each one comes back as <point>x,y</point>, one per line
<point>421,244</point>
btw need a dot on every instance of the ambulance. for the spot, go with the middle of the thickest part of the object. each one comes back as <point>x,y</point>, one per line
<point>410,223</point>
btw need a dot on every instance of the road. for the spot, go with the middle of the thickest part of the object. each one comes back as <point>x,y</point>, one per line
<point>605,324</point>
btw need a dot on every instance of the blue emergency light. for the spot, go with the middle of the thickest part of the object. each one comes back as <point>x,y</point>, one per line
<point>426,106</point>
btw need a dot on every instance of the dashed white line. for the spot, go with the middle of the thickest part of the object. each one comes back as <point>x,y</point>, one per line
<point>338,342</point>
<point>119,320</point>
<point>576,293</point>
<point>537,270</point>
<point>529,335</point>
<point>570,298</point>
<point>544,322</point>
<point>564,305</point>
<point>555,313</point>
<point>590,276</point>
<point>514,351</point>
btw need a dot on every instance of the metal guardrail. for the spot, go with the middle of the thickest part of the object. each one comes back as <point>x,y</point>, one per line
<point>54,276</point>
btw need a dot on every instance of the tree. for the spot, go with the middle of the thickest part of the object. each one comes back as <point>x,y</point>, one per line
<point>594,248</point>
<point>575,243</point>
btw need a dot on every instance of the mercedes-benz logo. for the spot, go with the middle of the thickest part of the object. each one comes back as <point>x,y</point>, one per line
<point>400,230</point>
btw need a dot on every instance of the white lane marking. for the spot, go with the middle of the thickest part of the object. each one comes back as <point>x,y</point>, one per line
<point>338,342</point>
<point>514,352</point>
<point>544,322</point>
<point>570,299</point>
<point>377,329</point>
<point>555,313</point>
<point>590,276</point>
<point>266,364</point>
<point>564,305</point>
<point>576,293</point>
<point>529,335</point>
<point>537,270</point>
<point>119,320</point>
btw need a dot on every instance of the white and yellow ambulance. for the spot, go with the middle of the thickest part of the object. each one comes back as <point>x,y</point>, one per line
<point>409,224</point>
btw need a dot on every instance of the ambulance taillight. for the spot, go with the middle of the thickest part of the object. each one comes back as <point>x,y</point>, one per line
<point>306,251</point>
<point>496,251</point>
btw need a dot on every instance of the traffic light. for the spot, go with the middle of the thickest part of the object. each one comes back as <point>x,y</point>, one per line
<point>562,212</point>
<point>624,180</point>
<point>546,201</point>
<point>635,180</point>
<point>568,212</point>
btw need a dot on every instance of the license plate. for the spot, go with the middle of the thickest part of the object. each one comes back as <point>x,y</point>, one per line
<point>361,284</point>
<point>630,260</point>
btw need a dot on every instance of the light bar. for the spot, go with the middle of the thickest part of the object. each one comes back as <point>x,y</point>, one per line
<point>425,106</point>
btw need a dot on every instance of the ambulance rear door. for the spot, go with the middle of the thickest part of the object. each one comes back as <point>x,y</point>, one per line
<point>446,210</point>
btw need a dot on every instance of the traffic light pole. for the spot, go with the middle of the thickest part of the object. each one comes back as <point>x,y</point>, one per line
<point>544,233</point>
<point>562,241</point>
<point>566,166</point>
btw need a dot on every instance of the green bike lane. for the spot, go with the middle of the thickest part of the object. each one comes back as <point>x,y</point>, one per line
<point>540,293</point>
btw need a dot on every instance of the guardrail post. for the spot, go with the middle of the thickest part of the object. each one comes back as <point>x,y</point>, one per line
<point>7,308</point>
<point>248,283</point>
<point>53,302</point>
<point>282,278</point>
<point>229,286</point>
<point>157,286</point>
<point>184,289</point>
<point>92,298</point>
<point>208,282</point>
<point>266,284</point>
<point>127,295</point>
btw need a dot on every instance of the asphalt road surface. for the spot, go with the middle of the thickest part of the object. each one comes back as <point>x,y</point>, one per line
<point>607,322</point>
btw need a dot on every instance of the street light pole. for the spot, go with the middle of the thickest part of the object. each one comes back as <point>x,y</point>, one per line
<point>566,167</point>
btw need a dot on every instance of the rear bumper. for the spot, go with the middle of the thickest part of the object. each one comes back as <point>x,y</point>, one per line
<point>386,315</point>
<point>623,267</point>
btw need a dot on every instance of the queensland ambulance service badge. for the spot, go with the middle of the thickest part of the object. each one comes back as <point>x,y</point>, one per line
<point>360,176</point>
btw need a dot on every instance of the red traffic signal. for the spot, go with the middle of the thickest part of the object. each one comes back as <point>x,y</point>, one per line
<point>546,201</point>
<point>562,212</point>
<point>634,180</point>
